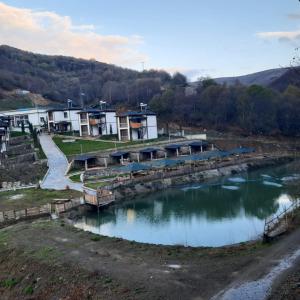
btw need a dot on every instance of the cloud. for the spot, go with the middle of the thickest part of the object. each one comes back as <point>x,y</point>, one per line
<point>50,33</point>
<point>280,35</point>
<point>294,16</point>
<point>190,73</point>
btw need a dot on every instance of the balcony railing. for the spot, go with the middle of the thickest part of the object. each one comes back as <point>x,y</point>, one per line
<point>123,125</point>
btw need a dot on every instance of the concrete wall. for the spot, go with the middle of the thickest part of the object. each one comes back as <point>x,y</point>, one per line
<point>152,127</point>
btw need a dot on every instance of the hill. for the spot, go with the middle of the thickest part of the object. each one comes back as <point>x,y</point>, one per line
<point>58,78</point>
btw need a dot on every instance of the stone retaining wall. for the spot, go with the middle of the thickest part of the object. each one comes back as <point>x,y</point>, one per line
<point>135,189</point>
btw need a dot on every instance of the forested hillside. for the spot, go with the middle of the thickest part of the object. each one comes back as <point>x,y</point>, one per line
<point>254,109</point>
<point>58,78</point>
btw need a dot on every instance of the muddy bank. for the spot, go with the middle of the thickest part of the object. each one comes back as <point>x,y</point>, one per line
<point>131,190</point>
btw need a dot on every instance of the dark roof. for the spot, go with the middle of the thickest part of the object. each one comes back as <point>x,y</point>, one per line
<point>197,143</point>
<point>96,111</point>
<point>241,150</point>
<point>173,146</point>
<point>163,163</point>
<point>119,153</point>
<point>136,113</point>
<point>84,157</point>
<point>63,109</point>
<point>134,167</point>
<point>149,150</point>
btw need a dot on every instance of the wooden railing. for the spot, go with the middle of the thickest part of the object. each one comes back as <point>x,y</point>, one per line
<point>274,221</point>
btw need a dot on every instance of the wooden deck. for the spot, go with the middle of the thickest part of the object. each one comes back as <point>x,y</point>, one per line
<point>99,198</point>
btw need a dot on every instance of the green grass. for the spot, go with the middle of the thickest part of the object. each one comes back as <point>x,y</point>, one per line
<point>26,198</point>
<point>75,178</point>
<point>9,283</point>
<point>84,145</point>
<point>17,133</point>
<point>93,145</point>
<point>95,185</point>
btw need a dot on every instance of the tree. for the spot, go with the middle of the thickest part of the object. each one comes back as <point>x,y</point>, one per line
<point>179,79</point>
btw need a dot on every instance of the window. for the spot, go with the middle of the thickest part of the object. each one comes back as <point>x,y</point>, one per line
<point>42,119</point>
<point>65,114</point>
<point>21,119</point>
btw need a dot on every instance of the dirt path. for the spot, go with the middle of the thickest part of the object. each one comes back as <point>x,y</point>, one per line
<point>259,279</point>
<point>108,268</point>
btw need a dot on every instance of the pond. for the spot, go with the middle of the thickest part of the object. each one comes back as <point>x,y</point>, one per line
<point>220,212</point>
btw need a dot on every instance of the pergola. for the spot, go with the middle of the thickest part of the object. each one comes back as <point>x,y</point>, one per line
<point>149,152</point>
<point>84,158</point>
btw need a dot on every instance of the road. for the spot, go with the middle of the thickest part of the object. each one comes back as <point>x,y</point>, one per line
<point>58,164</point>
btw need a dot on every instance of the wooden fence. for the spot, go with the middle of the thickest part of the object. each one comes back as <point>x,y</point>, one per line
<point>57,207</point>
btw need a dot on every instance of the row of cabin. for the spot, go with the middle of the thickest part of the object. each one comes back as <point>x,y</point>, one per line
<point>128,126</point>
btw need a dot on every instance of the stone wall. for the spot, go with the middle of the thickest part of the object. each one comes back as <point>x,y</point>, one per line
<point>132,190</point>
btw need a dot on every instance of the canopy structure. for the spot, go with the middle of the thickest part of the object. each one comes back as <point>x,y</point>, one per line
<point>166,163</point>
<point>173,147</point>
<point>198,143</point>
<point>119,154</point>
<point>84,157</point>
<point>149,150</point>
<point>134,167</point>
<point>241,150</point>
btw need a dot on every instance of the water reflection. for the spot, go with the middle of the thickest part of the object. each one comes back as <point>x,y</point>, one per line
<point>197,215</point>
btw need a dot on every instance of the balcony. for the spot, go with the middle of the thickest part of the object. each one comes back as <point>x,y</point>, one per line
<point>83,120</point>
<point>123,125</point>
<point>135,125</point>
<point>94,121</point>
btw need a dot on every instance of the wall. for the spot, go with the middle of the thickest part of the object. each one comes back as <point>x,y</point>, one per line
<point>152,127</point>
<point>111,120</point>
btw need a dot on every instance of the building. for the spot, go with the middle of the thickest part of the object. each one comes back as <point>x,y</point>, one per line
<point>36,116</point>
<point>97,122</point>
<point>4,133</point>
<point>134,126</point>
<point>63,119</point>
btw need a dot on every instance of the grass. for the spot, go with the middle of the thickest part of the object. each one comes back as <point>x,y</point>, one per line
<point>8,283</point>
<point>95,185</point>
<point>75,178</point>
<point>26,198</point>
<point>84,146</point>
<point>17,133</point>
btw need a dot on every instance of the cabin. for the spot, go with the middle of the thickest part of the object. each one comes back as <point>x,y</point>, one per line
<point>97,122</point>
<point>137,125</point>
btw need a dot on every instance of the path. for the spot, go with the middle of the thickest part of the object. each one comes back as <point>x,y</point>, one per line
<point>58,164</point>
<point>260,280</point>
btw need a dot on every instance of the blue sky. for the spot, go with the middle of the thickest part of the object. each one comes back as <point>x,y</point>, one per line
<point>199,38</point>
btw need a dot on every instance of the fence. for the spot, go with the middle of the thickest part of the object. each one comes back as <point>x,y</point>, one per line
<point>57,207</point>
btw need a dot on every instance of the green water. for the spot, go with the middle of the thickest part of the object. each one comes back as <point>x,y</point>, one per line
<point>220,212</point>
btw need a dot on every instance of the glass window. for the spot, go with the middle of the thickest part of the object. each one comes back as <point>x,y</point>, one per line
<point>65,114</point>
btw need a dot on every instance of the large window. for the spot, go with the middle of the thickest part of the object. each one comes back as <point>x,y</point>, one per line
<point>65,114</point>
<point>21,119</point>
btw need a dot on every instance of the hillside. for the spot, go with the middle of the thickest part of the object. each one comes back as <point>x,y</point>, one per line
<point>58,78</point>
<point>278,79</point>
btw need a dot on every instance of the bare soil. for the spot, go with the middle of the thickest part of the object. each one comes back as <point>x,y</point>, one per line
<point>52,260</point>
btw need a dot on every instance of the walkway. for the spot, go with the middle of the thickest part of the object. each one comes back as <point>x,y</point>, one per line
<point>58,164</point>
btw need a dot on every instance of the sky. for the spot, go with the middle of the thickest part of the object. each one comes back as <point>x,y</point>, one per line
<point>196,37</point>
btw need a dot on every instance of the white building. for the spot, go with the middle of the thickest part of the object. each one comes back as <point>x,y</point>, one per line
<point>36,116</point>
<point>63,119</point>
<point>133,126</point>
<point>96,122</point>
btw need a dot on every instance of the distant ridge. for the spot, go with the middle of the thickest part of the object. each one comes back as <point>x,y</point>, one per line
<point>264,78</point>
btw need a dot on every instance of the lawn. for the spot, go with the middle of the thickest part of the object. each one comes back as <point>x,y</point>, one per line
<point>26,198</point>
<point>81,146</point>
<point>75,178</point>
<point>95,185</point>
<point>18,133</point>
<point>84,146</point>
